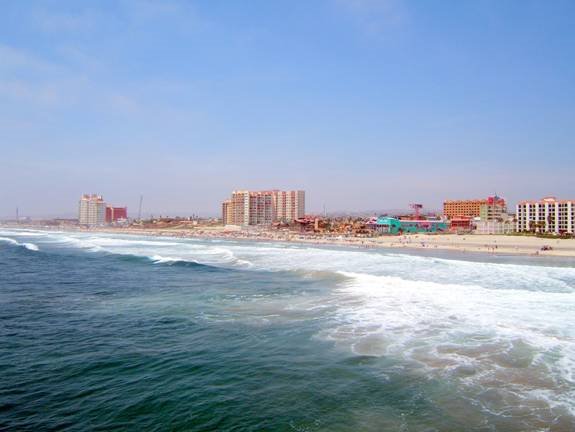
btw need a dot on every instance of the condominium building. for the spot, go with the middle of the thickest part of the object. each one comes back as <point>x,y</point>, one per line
<point>240,208</point>
<point>91,210</point>
<point>262,210</point>
<point>248,208</point>
<point>548,215</point>
<point>489,208</point>
<point>263,207</point>
<point>290,205</point>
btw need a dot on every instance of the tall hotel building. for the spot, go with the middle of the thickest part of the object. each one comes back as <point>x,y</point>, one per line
<point>489,208</point>
<point>263,207</point>
<point>548,215</point>
<point>91,210</point>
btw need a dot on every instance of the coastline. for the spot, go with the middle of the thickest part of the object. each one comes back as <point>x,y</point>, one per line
<point>469,243</point>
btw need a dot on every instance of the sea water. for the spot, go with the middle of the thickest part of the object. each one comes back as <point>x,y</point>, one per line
<point>117,332</point>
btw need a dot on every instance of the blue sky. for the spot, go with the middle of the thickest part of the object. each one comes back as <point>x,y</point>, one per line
<point>365,104</point>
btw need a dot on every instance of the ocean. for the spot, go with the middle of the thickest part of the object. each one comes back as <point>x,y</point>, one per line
<point>125,333</point>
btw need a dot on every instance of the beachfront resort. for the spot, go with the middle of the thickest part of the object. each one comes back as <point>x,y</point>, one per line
<point>276,210</point>
<point>543,227</point>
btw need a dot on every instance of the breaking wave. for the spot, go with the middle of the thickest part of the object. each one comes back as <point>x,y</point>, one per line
<point>157,251</point>
<point>514,343</point>
<point>497,331</point>
<point>29,246</point>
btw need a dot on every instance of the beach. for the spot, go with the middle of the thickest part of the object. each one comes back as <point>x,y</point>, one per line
<point>468,243</point>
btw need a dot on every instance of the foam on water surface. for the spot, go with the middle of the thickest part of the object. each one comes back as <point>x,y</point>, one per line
<point>499,332</point>
<point>29,246</point>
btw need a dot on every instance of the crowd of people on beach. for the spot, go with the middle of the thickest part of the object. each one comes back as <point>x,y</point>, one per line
<point>514,245</point>
<point>494,244</point>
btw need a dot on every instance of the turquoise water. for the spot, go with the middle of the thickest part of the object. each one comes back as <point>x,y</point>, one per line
<point>112,332</point>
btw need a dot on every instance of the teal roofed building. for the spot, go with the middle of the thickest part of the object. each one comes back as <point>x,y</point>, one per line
<point>390,225</point>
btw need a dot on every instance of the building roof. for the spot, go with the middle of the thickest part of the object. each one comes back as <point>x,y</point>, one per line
<point>546,200</point>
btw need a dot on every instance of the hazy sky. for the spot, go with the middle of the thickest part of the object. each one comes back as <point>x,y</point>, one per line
<point>365,104</point>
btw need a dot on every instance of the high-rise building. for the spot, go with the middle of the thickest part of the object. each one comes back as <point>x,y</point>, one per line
<point>249,208</point>
<point>239,212</point>
<point>227,213</point>
<point>91,210</point>
<point>290,205</point>
<point>490,208</point>
<point>548,215</point>
<point>263,207</point>
<point>115,214</point>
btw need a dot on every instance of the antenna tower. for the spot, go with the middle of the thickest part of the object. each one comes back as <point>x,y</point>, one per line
<point>140,208</point>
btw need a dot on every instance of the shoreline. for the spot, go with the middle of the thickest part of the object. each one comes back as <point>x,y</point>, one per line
<point>469,243</point>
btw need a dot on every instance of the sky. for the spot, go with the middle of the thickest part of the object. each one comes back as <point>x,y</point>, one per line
<point>364,104</point>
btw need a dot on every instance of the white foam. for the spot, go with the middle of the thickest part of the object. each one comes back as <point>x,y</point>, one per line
<point>158,251</point>
<point>479,322</point>
<point>9,240</point>
<point>22,233</point>
<point>158,259</point>
<point>29,246</point>
<point>519,340</point>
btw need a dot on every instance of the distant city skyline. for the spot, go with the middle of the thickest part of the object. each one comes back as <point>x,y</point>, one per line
<point>364,104</point>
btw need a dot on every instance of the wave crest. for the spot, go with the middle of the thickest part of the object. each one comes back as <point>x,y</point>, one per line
<point>26,245</point>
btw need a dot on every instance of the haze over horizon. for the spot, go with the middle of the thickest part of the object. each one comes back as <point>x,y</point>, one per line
<point>364,104</point>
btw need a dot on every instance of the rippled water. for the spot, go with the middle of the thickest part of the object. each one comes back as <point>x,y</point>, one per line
<point>112,332</point>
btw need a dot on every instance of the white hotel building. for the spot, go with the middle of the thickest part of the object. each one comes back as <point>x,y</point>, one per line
<point>91,210</point>
<point>548,215</point>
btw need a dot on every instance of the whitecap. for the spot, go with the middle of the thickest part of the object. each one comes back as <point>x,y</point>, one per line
<point>29,246</point>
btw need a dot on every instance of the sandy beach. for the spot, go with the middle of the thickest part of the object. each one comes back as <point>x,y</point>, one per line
<point>469,243</point>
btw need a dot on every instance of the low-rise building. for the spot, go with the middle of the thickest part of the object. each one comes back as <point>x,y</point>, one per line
<point>461,224</point>
<point>116,214</point>
<point>390,225</point>
<point>503,226</point>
